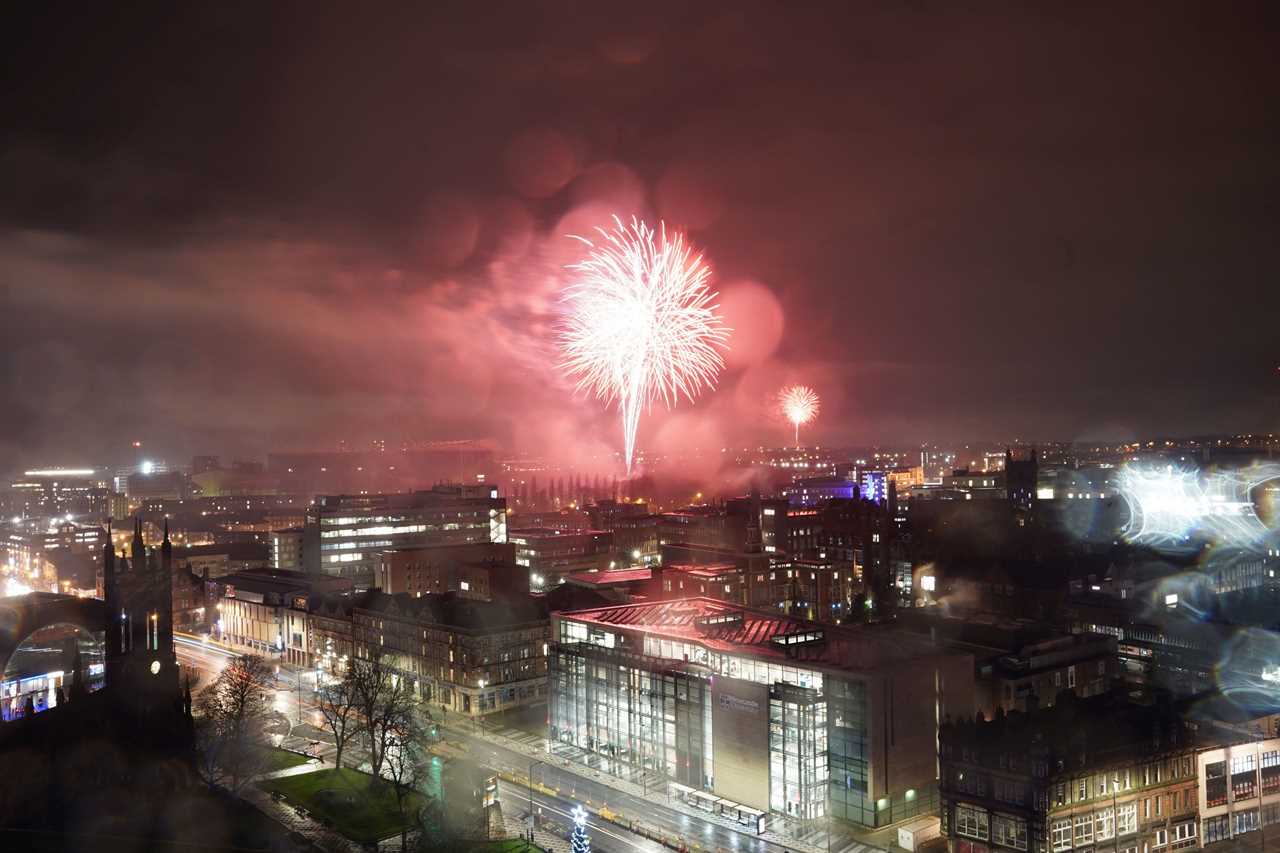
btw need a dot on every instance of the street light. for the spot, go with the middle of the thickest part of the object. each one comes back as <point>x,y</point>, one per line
<point>480,707</point>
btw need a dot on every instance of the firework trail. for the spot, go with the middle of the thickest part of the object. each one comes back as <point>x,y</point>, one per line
<point>640,324</point>
<point>799,404</point>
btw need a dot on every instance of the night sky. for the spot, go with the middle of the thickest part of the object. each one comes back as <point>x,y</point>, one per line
<point>237,227</point>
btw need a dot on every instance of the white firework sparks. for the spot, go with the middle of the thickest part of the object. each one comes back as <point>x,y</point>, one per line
<point>799,404</point>
<point>640,322</point>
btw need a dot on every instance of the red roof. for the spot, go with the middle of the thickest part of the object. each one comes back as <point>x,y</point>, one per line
<point>696,619</point>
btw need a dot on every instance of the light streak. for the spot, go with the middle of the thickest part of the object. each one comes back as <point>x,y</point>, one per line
<point>1170,505</point>
<point>799,404</point>
<point>640,323</point>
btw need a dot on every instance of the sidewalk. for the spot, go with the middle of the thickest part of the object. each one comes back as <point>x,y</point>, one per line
<point>566,758</point>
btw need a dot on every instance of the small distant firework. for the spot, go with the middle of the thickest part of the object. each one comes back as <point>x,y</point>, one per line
<point>640,322</point>
<point>799,404</point>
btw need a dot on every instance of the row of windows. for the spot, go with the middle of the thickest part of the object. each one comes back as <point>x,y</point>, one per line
<point>1006,830</point>
<point>1085,829</point>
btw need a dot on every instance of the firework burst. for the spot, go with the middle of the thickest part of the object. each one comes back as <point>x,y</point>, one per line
<point>640,323</point>
<point>799,404</point>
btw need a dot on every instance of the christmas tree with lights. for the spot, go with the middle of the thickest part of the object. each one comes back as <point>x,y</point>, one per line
<point>580,842</point>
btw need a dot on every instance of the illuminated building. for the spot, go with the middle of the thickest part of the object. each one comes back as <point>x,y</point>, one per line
<point>55,491</point>
<point>745,709</point>
<point>473,657</point>
<point>265,611</point>
<point>474,570</point>
<point>1104,773</point>
<point>30,551</point>
<point>811,491</point>
<point>345,534</point>
<point>286,549</point>
<point>548,555</point>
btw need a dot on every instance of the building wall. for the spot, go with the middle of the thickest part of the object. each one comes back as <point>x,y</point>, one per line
<point>739,725</point>
<point>468,671</point>
<point>1239,791</point>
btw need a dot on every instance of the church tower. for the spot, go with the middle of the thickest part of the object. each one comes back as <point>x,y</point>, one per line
<point>142,669</point>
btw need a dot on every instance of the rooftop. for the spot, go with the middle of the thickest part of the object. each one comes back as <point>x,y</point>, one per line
<point>729,627</point>
<point>551,532</point>
<point>611,576</point>
<point>707,570</point>
<point>450,609</point>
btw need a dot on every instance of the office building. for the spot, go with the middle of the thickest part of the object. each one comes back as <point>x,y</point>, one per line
<point>754,713</point>
<point>475,570</point>
<point>549,555</point>
<point>345,535</point>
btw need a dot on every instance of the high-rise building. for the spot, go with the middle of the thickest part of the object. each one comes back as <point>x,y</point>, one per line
<point>346,534</point>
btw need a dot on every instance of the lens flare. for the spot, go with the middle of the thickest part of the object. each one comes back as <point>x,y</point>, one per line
<point>640,323</point>
<point>799,404</point>
<point>1172,506</point>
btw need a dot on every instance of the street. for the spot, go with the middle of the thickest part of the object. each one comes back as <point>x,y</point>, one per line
<point>576,783</point>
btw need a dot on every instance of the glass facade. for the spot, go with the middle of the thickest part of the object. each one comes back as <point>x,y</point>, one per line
<point>636,711</point>
<point>797,751</point>
<point>654,711</point>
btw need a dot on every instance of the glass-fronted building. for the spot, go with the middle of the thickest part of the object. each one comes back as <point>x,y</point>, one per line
<point>756,712</point>
<point>346,535</point>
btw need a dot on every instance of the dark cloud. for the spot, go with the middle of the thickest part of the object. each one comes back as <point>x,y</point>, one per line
<point>231,227</point>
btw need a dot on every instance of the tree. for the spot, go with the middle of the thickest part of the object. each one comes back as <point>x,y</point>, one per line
<point>386,702</point>
<point>406,767</point>
<point>340,708</point>
<point>231,712</point>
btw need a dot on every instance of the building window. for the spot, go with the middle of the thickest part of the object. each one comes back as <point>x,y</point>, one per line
<point>1084,829</point>
<point>1217,829</point>
<point>1162,838</point>
<point>1127,819</point>
<point>1009,831</point>
<point>1184,834</point>
<point>1082,790</point>
<point>1061,834</point>
<point>1104,825</point>
<point>971,822</point>
<point>1246,821</point>
<point>1215,784</point>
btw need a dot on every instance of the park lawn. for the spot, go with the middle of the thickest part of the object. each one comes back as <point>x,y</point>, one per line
<point>345,799</point>
<point>281,759</point>
<point>506,845</point>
